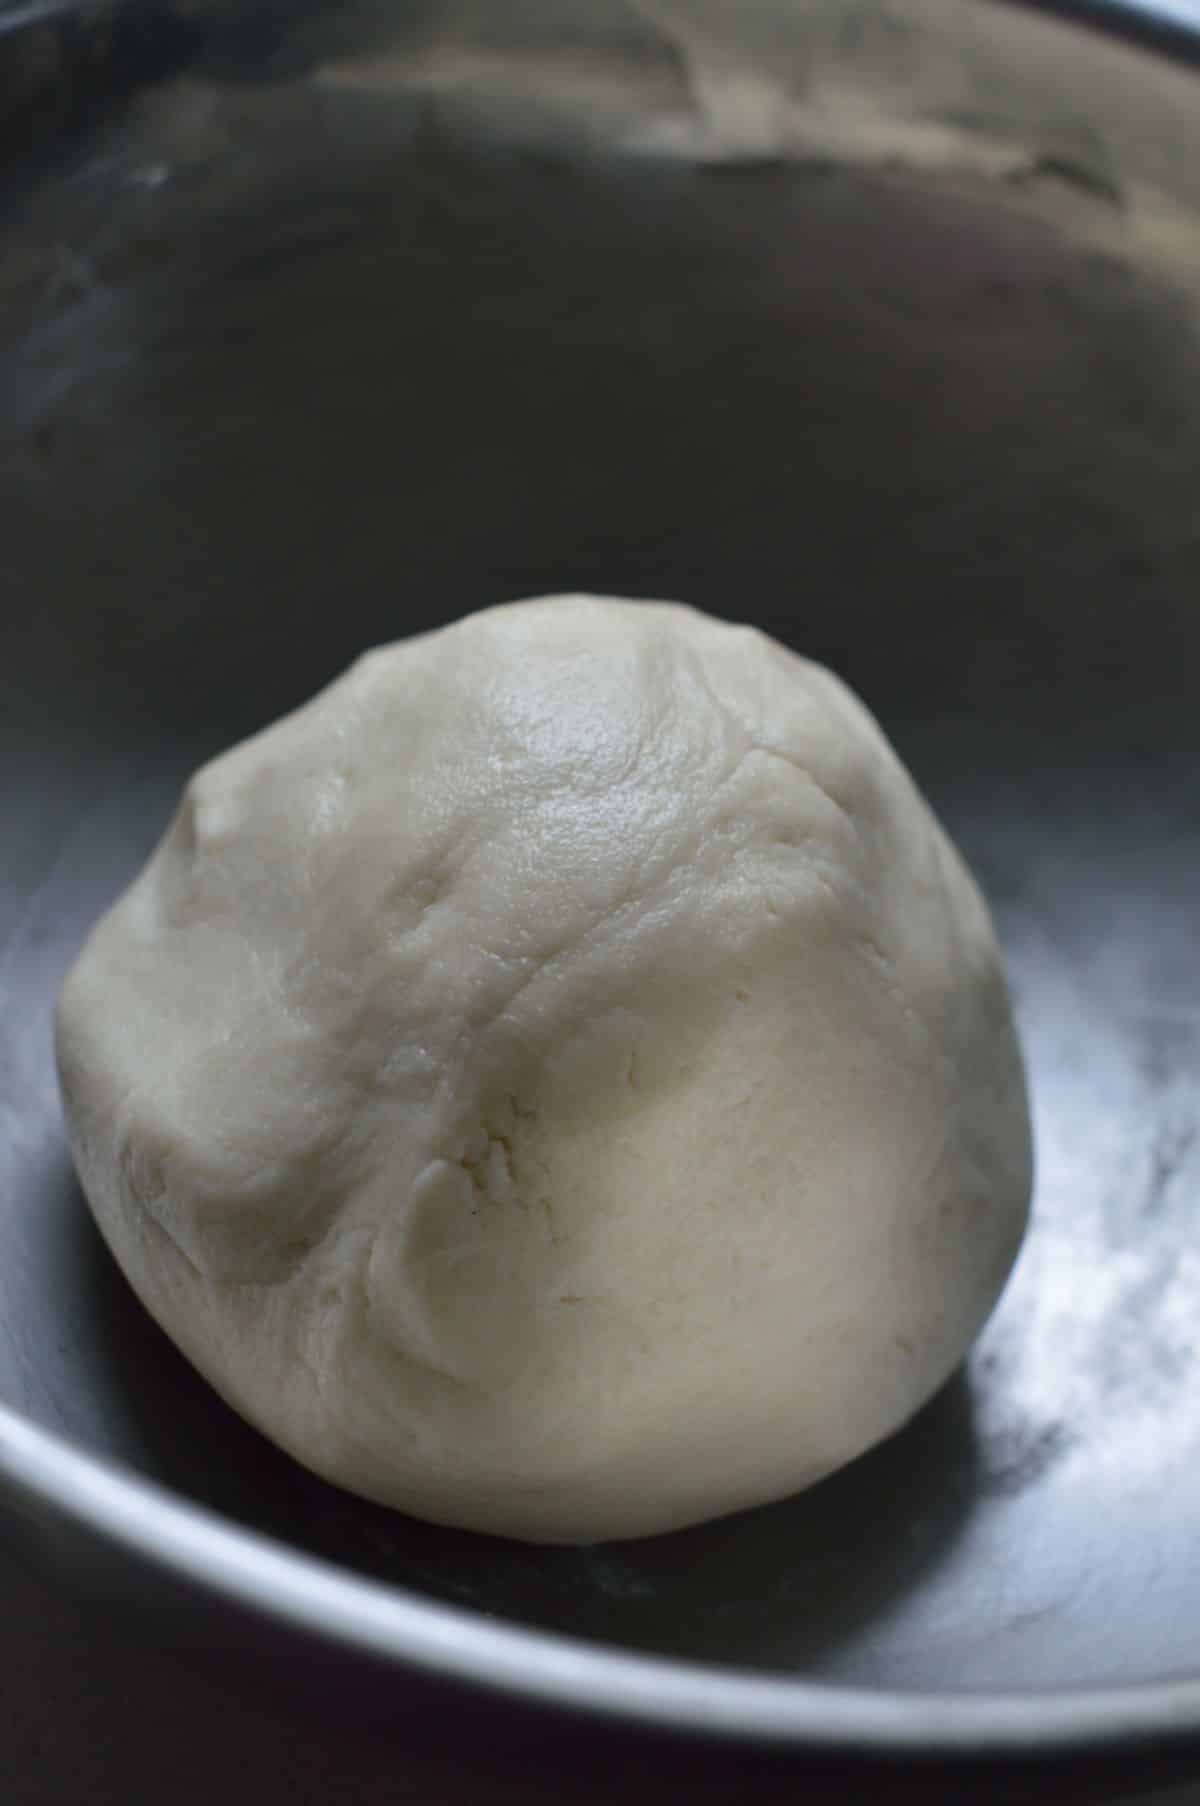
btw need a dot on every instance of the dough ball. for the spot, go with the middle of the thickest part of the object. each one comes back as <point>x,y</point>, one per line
<point>560,1081</point>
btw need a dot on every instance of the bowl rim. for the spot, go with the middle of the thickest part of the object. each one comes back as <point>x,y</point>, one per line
<point>171,1539</point>
<point>47,1481</point>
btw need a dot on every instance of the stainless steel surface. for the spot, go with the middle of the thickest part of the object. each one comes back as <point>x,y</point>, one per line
<point>298,367</point>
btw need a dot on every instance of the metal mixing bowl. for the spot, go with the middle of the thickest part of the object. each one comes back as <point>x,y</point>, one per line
<point>876,324</point>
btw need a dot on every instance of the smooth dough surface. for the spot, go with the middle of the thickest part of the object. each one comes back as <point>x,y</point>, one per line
<point>560,1081</point>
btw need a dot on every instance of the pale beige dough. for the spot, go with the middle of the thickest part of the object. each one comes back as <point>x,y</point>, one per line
<point>560,1081</point>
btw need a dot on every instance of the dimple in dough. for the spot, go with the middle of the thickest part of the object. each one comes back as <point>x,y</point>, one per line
<point>560,1081</point>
